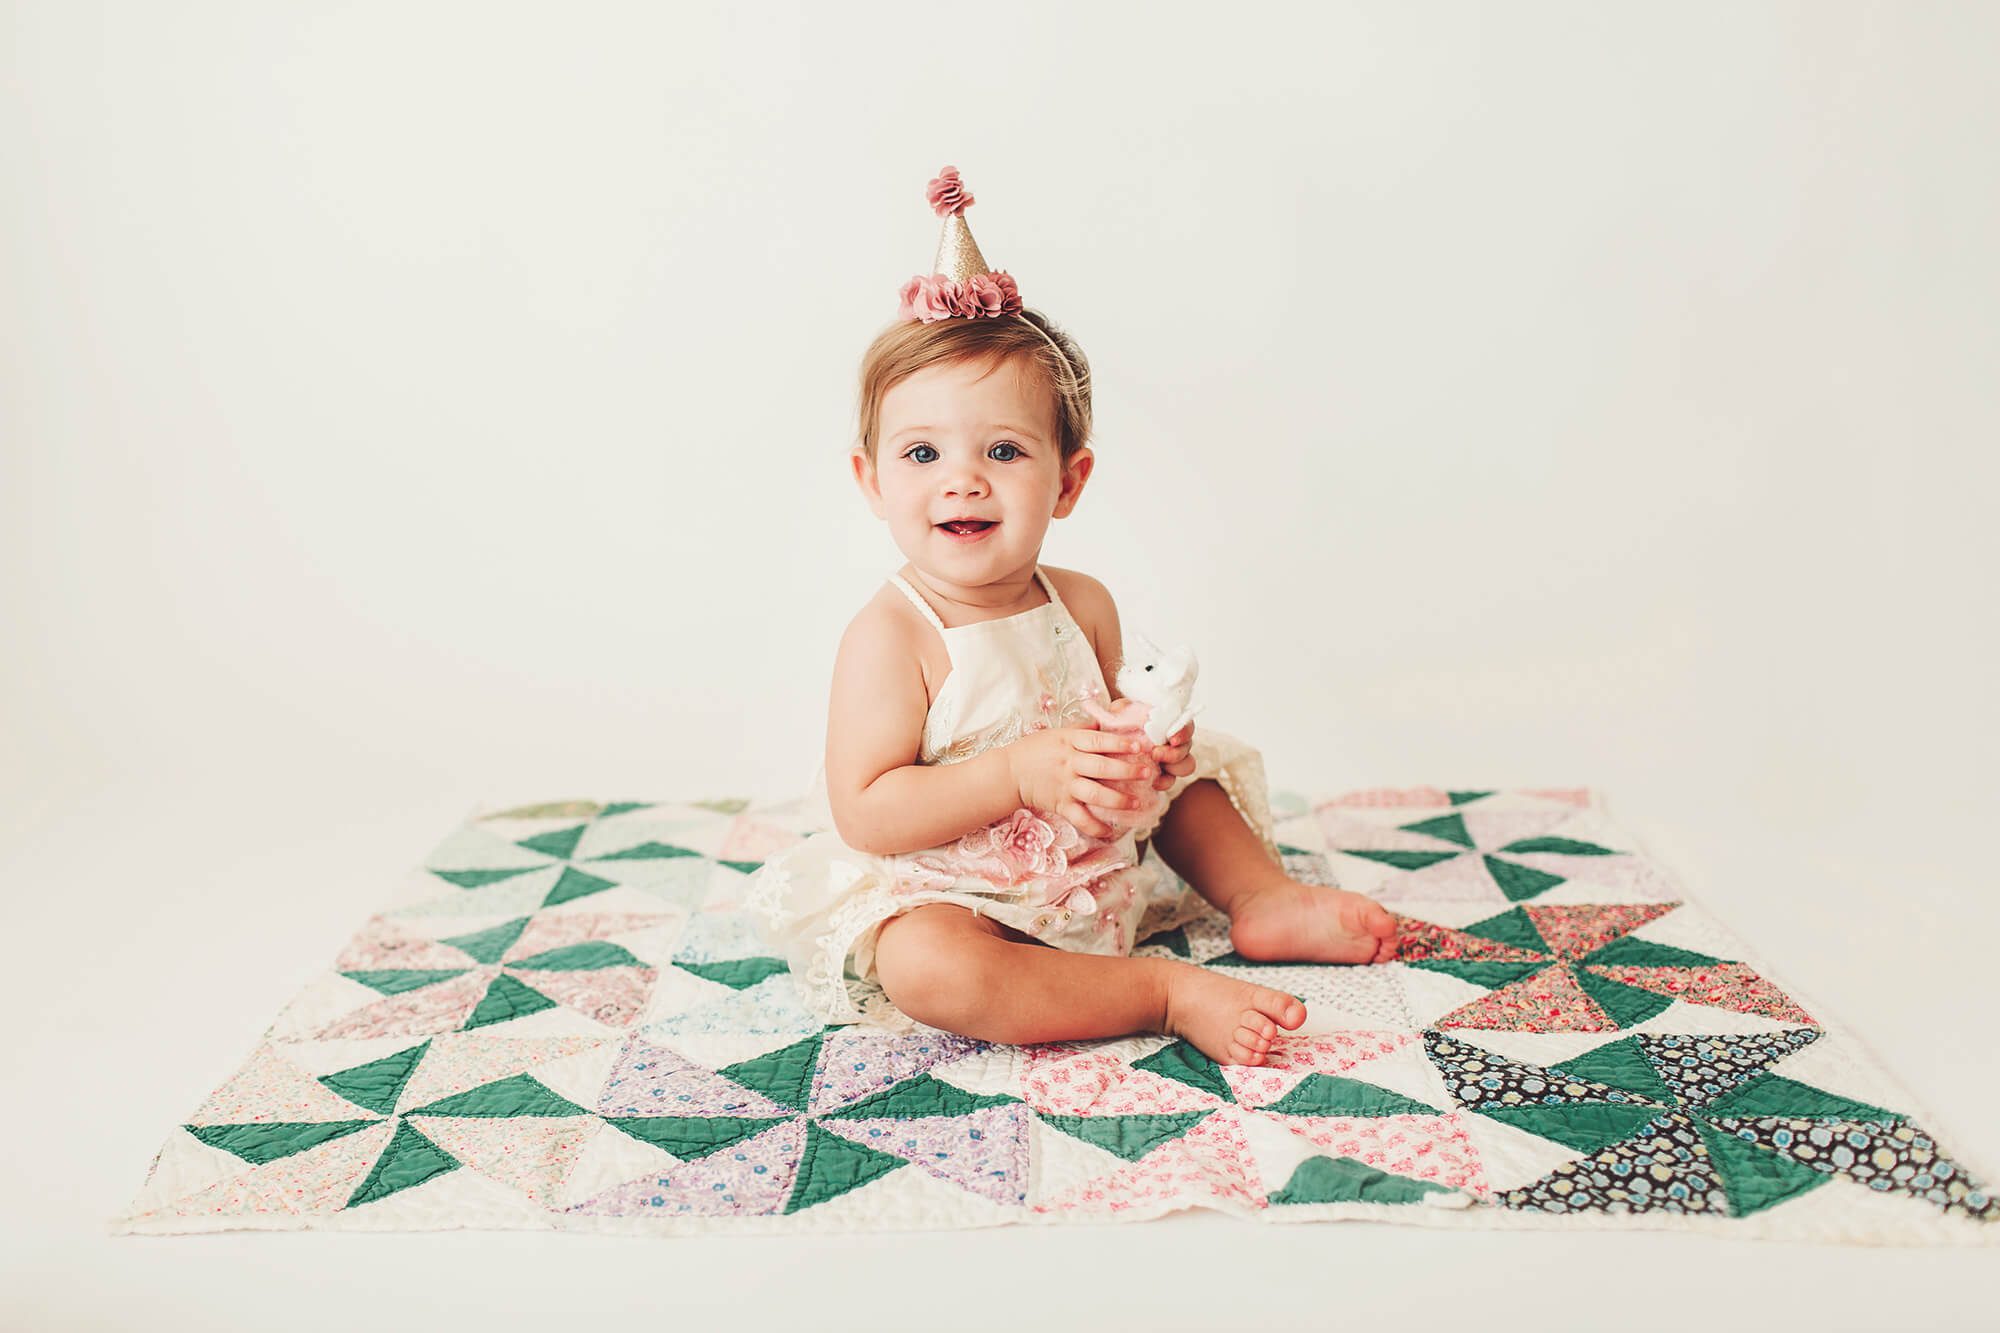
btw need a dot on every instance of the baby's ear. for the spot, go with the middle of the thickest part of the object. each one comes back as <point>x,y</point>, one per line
<point>866,480</point>
<point>1075,473</point>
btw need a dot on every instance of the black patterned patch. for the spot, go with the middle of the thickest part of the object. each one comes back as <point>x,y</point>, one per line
<point>1701,1068</point>
<point>1483,1081</point>
<point>1896,1158</point>
<point>1665,1168</point>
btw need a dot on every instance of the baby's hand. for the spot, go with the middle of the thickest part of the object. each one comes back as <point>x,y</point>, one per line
<point>1174,758</point>
<point>1064,770</point>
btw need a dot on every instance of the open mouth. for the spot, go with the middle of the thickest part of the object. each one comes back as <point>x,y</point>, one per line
<point>967,527</point>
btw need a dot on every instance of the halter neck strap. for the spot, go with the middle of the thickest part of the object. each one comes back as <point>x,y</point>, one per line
<point>917,598</point>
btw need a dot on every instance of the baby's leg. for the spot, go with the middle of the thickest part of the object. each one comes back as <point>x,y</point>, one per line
<point>1272,917</point>
<point>944,966</point>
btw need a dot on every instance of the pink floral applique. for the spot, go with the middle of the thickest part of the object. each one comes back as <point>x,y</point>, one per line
<point>1045,858</point>
<point>1026,844</point>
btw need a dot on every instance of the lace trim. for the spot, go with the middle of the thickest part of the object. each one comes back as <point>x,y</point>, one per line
<point>766,890</point>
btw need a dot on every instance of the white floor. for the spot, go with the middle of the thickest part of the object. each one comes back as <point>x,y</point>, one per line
<point>158,927</point>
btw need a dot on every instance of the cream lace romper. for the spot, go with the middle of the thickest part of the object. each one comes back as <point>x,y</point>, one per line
<point>824,902</point>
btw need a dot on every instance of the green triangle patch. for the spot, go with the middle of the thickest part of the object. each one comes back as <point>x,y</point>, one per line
<point>1128,1136</point>
<point>589,956</point>
<point>1755,1178</point>
<point>1451,828</point>
<point>560,844</point>
<point>394,981</point>
<point>377,1084</point>
<point>1627,1005</point>
<point>507,999</point>
<point>1344,1180</point>
<point>1622,1065</point>
<point>490,945</point>
<point>479,879</point>
<point>410,1159</point>
<point>1488,974</point>
<point>621,808</point>
<point>1567,846</point>
<point>258,1144</point>
<point>1330,1095</point>
<point>1773,1095</point>
<point>647,851</point>
<point>737,973</point>
<point>832,1166</point>
<point>916,1098</point>
<point>742,867</point>
<point>575,884</point>
<point>520,1095</point>
<point>784,1075</point>
<point>1182,1063</point>
<point>1588,1127</point>
<point>1510,927</point>
<point>1630,951</point>
<point>1517,881</point>
<point>1402,860</point>
<point>689,1137</point>
<point>1175,941</point>
<point>1466,797</point>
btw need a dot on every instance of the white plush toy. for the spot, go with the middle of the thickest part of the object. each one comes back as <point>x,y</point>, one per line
<point>1164,682</point>
<point>1156,687</point>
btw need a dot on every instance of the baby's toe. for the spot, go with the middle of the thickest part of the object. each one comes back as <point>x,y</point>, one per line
<point>1284,1009</point>
<point>1247,1048</point>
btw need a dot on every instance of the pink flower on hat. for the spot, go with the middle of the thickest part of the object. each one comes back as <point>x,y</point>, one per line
<point>984,295</point>
<point>928,298</point>
<point>1010,295</point>
<point>946,192</point>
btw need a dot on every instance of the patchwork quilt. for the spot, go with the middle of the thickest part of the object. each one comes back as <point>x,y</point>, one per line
<point>568,1020</point>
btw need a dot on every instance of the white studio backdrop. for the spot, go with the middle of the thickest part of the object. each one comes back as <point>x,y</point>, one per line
<point>452,399</point>
<point>404,405</point>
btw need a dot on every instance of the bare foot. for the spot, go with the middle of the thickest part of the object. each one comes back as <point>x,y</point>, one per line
<point>1231,1022</point>
<point>1306,923</point>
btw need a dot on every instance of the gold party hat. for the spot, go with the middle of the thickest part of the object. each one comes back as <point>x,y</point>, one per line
<point>959,285</point>
<point>958,256</point>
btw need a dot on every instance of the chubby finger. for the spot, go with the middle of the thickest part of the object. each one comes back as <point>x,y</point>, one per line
<point>1182,769</point>
<point>1118,769</point>
<point>1087,792</point>
<point>1114,821</point>
<point>1086,820</point>
<point>1108,742</point>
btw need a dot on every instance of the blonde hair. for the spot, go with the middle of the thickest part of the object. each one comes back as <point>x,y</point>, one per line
<point>907,346</point>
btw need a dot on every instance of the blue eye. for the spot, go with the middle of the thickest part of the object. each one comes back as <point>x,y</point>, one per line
<point>1010,445</point>
<point>911,452</point>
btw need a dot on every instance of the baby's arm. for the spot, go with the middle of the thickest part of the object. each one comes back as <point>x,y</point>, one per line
<point>885,802</point>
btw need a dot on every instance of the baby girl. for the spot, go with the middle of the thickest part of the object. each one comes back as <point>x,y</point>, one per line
<point>978,865</point>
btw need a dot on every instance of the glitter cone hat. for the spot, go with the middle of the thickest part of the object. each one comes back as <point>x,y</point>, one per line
<point>959,286</point>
